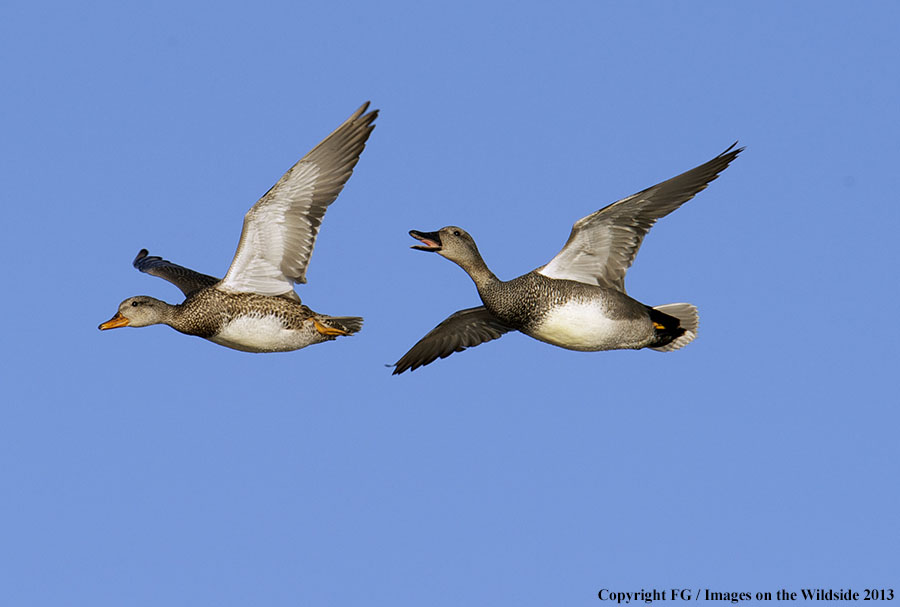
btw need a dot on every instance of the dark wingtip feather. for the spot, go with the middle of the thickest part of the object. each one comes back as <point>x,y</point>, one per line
<point>731,153</point>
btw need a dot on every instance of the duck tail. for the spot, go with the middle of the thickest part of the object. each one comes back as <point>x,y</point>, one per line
<point>682,333</point>
<point>348,325</point>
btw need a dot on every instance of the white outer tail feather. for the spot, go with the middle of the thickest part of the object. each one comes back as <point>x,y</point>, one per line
<point>690,320</point>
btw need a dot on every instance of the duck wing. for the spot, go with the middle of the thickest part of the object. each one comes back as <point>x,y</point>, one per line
<point>185,279</point>
<point>461,330</point>
<point>280,229</point>
<point>602,246</point>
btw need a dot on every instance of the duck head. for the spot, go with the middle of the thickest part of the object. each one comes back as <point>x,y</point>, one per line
<point>140,311</point>
<point>456,245</point>
<point>451,242</point>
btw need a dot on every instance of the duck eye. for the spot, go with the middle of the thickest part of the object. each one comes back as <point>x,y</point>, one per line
<point>456,233</point>
<point>134,304</point>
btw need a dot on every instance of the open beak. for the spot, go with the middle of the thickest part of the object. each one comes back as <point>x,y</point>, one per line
<point>431,241</point>
<point>114,323</point>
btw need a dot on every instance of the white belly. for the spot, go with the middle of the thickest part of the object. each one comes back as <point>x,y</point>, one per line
<point>262,334</point>
<point>584,326</point>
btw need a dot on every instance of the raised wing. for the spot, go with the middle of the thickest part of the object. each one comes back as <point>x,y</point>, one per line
<point>280,229</point>
<point>602,246</point>
<point>183,278</point>
<point>461,330</point>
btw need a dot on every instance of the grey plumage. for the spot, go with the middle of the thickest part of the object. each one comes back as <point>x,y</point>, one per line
<point>577,300</point>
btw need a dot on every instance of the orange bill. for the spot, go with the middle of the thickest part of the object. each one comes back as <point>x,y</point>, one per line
<point>115,322</point>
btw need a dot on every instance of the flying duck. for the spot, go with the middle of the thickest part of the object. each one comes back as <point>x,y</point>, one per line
<point>255,307</point>
<point>576,301</point>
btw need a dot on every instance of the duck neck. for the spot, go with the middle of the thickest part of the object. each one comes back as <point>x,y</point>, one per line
<point>478,271</point>
<point>171,315</point>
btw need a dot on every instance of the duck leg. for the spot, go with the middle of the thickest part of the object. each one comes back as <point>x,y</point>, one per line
<point>329,331</point>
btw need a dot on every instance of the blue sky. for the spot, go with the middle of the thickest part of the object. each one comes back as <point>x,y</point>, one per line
<point>145,467</point>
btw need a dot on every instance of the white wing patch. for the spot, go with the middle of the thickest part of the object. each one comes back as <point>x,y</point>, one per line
<point>280,229</point>
<point>602,246</point>
<point>257,266</point>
